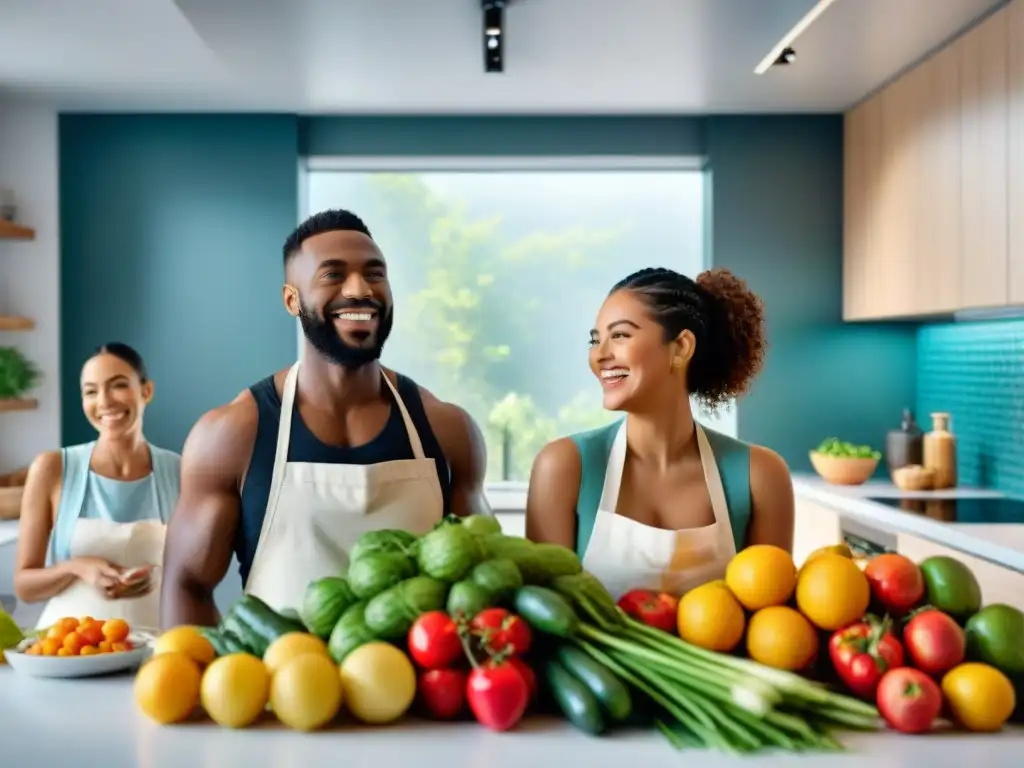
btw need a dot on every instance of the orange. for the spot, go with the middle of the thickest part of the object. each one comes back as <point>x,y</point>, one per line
<point>832,591</point>
<point>235,689</point>
<point>114,630</point>
<point>89,650</point>
<point>780,637</point>
<point>92,633</point>
<point>167,687</point>
<point>50,646</point>
<point>188,640</point>
<point>980,697</point>
<point>711,617</point>
<point>306,691</point>
<point>761,575</point>
<point>73,643</point>
<point>290,645</point>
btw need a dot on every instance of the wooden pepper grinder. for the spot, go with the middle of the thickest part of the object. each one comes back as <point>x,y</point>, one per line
<point>940,452</point>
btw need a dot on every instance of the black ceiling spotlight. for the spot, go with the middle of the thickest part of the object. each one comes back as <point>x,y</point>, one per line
<point>788,56</point>
<point>494,35</point>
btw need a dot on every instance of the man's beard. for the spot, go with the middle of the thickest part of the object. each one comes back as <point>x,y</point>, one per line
<point>324,337</point>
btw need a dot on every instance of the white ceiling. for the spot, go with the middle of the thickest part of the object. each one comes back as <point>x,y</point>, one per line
<point>403,56</point>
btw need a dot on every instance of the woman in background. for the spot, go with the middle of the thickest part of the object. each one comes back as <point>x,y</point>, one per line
<point>655,500</point>
<point>93,516</point>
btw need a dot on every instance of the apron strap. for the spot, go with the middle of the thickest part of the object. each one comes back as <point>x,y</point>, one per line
<point>716,491</point>
<point>410,426</point>
<point>284,436</point>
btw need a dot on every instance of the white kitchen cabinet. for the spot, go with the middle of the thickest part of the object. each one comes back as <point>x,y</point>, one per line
<point>814,526</point>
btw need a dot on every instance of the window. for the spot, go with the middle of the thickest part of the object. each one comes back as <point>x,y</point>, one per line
<point>497,277</point>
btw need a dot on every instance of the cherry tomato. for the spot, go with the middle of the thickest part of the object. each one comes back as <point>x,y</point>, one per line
<point>442,692</point>
<point>501,631</point>
<point>434,641</point>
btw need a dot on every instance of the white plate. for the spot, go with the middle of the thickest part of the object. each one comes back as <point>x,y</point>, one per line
<point>79,666</point>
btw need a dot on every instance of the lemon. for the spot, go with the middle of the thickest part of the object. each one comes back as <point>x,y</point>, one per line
<point>306,691</point>
<point>188,640</point>
<point>780,637</point>
<point>292,644</point>
<point>832,591</point>
<point>235,690</point>
<point>980,697</point>
<point>379,683</point>
<point>761,575</point>
<point>166,687</point>
<point>711,617</point>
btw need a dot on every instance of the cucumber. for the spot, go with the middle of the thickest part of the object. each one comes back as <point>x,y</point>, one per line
<point>558,561</point>
<point>232,644</point>
<point>610,692</point>
<point>499,576</point>
<point>263,620</point>
<point>215,639</point>
<point>546,611</point>
<point>574,699</point>
<point>249,640</point>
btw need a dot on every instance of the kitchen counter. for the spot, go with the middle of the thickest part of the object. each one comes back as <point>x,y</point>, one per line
<point>42,722</point>
<point>1001,544</point>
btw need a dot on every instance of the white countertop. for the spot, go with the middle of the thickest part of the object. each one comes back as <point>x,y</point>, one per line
<point>1002,544</point>
<point>42,722</point>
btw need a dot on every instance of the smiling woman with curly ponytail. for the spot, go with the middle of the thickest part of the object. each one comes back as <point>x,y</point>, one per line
<point>656,500</point>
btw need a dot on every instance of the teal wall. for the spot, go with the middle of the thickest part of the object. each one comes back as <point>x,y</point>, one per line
<point>975,371</point>
<point>176,221</point>
<point>171,233</point>
<point>777,222</point>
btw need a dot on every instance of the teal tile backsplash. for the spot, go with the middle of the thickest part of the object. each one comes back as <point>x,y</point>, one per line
<point>975,371</point>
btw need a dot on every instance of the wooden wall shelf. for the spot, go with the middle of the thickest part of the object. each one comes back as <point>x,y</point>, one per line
<point>8,405</point>
<point>16,323</point>
<point>11,231</point>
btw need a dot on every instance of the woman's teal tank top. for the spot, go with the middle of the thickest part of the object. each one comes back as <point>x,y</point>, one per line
<point>731,455</point>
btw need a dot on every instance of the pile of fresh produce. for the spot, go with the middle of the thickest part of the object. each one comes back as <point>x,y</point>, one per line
<point>911,638</point>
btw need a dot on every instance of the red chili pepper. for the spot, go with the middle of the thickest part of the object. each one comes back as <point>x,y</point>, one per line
<point>497,694</point>
<point>863,652</point>
<point>654,609</point>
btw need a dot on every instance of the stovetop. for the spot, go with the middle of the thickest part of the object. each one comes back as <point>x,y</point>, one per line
<point>986,510</point>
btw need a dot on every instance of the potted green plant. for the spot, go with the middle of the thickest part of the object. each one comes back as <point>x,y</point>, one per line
<point>18,375</point>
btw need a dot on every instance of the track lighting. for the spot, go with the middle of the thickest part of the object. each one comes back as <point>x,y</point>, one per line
<point>494,35</point>
<point>788,56</point>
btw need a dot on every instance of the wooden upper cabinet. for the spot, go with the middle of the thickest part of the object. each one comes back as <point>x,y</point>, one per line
<point>938,240</point>
<point>984,148</point>
<point>1015,164</point>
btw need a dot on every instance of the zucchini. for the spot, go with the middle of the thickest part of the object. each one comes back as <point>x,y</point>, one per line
<point>247,637</point>
<point>610,692</point>
<point>264,620</point>
<point>546,611</point>
<point>214,637</point>
<point>574,699</point>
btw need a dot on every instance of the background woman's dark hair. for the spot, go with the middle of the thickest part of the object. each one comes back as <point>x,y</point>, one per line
<point>126,354</point>
<point>725,317</point>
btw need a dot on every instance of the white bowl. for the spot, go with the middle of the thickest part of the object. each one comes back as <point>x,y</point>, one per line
<point>78,666</point>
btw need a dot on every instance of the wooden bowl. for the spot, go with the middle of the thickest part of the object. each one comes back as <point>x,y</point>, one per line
<point>841,471</point>
<point>913,477</point>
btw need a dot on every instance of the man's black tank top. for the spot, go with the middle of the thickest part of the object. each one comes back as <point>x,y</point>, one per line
<point>391,444</point>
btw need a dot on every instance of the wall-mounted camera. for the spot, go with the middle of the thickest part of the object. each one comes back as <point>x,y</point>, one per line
<point>494,34</point>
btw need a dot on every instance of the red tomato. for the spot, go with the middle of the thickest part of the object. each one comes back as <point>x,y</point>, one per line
<point>896,581</point>
<point>935,643</point>
<point>862,652</point>
<point>442,692</point>
<point>658,610</point>
<point>528,674</point>
<point>909,700</point>
<point>501,631</point>
<point>497,694</point>
<point>434,641</point>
